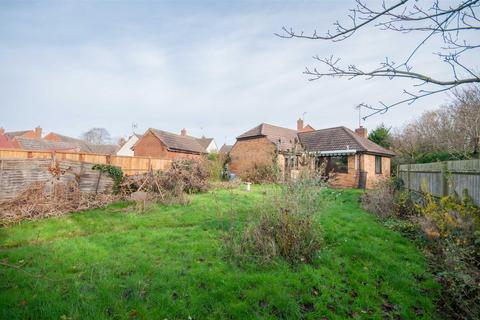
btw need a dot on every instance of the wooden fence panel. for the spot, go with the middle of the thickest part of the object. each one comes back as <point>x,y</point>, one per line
<point>129,165</point>
<point>17,174</point>
<point>444,178</point>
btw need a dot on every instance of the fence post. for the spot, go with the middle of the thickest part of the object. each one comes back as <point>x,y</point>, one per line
<point>444,172</point>
<point>408,177</point>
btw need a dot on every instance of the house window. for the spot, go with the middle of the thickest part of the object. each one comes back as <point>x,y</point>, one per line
<point>378,164</point>
<point>339,164</point>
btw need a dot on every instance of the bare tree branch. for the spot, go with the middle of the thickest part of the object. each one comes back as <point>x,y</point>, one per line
<point>451,23</point>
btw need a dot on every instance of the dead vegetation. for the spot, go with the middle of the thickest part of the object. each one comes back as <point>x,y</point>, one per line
<point>55,198</point>
<point>39,200</point>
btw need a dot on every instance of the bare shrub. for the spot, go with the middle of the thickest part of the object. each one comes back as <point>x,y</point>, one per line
<point>262,174</point>
<point>36,202</point>
<point>172,186</point>
<point>284,228</point>
<point>386,201</point>
<point>191,174</point>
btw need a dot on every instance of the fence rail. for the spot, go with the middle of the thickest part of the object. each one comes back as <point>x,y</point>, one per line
<point>444,178</point>
<point>129,165</point>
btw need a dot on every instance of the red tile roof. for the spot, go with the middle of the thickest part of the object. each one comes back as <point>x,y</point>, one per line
<point>283,138</point>
<point>5,142</point>
<point>178,142</point>
<point>339,138</point>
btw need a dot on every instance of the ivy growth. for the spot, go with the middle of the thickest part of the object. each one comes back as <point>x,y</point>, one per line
<point>113,172</point>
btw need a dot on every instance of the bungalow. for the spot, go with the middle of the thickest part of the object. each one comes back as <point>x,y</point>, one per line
<point>355,160</point>
<point>167,145</point>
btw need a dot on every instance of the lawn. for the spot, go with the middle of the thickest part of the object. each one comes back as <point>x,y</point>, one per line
<point>168,263</point>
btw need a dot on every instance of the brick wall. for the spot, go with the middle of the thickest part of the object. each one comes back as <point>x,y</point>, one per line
<point>245,154</point>
<point>349,179</point>
<point>368,165</point>
<point>151,146</point>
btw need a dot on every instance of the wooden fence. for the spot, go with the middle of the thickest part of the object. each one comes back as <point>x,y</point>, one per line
<point>129,165</point>
<point>444,178</point>
<point>17,174</point>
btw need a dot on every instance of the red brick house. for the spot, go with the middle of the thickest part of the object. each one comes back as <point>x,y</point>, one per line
<point>355,160</point>
<point>167,145</point>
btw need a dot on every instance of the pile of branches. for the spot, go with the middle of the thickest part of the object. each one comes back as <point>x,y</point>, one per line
<point>184,177</point>
<point>39,201</point>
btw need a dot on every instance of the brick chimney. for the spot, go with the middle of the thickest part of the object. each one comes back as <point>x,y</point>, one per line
<point>38,132</point>
<point>362,132</point>
<point>183,132</point>
<point>2,131</point>
<point>299,124</point>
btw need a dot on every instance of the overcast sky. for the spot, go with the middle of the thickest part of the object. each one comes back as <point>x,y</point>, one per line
<point>215,68</point>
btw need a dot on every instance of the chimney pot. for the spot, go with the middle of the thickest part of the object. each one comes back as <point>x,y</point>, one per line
<point>183,132</point>
<point>2,131</point>
<point>300,124</point>
<point>38,132</point>
<point>363,132</point>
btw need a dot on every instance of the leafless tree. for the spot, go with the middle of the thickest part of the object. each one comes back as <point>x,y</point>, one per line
<point>453,128</point>
<point>454,24</point>
<point>97,136</point>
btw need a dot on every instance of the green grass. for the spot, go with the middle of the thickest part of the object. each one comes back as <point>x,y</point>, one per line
<point>112,264</point>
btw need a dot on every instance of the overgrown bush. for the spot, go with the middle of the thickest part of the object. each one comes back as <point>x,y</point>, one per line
<point>262,174</point>
<point>171,186</point>
<point>387,201</point>
<point>449,230</point>
<point>216,164</point>
<point>284,226</point>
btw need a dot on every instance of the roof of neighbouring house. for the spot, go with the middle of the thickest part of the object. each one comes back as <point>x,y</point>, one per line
<point>85,146</point>
<point>5,142</point>
<point>204,142</point>
<point>46,145</point>
<point>225,148</point>
<point>339,138</point>
<point>283,138</point>
<point>178,142</point>
<point>12,134</point>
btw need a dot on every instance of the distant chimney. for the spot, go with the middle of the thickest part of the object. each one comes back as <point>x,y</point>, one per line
<point>362,132</point>
<point>2,131</point>
<point>38,132</point>
<point>299,124</point>
<point>183,132</point>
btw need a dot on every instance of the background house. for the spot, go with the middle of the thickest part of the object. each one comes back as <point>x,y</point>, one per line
<point>167,145</point>
<point>31,134</point>
<point>355,160</point>
<point>82,145</point>
<point>225,149</point>
<point>208,144</point>
<point>43,145</point>
<point>126,148</point>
